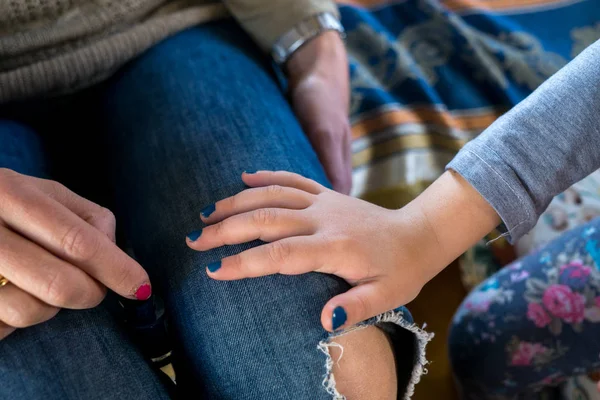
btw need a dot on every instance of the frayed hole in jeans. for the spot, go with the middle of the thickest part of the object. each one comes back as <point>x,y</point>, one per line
<point>419,362</point>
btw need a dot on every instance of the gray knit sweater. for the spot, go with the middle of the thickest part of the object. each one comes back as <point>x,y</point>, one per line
<point>56,46</point>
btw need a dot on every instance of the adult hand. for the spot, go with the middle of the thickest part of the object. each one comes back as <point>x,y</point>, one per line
<point>320,95</point>
<point>57,251</point>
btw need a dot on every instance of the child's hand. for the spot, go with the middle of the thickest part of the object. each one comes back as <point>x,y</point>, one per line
<point>387,255</point>
<point>312,228</point>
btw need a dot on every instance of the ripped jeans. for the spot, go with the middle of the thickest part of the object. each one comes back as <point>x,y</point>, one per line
<point>168,134</point>
<point>533,324</point>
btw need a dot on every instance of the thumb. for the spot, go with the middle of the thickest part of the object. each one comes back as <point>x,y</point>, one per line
<point>356,305</point>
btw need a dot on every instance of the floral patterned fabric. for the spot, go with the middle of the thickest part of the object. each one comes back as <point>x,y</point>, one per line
<point>575,207</point>
<point>534,324</point>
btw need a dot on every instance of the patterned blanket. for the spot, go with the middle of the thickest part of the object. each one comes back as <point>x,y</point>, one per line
<point>428,75</point>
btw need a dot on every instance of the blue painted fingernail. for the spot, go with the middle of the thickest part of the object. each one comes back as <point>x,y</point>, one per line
<point>208,210</point>
<point>193,236</point>
<point>250,171</point>
<point>214,266</point>
<point>339,317</point>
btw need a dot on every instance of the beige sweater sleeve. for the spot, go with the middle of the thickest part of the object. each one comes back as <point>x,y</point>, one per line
<point>267,20</point>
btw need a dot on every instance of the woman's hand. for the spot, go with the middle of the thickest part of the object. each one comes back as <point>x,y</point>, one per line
<point>320,95</point>
<point>57,251</point>
<point>312,228</point>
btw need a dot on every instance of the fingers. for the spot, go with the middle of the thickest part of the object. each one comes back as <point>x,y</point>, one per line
<point>53,226</point>
<point>5,330</point>
<point>292,256</point>
<point>99,217</point>
<point>282,178</point>
<point>20,309</point>
<point>356,305</point>
<point>273,196</point>
<point>266,224</point>
<point>45,276</point>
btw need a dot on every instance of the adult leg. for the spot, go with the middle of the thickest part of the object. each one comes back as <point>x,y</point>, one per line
<point>534,323</point>
<point>77,354</point>
<point>186,120</point>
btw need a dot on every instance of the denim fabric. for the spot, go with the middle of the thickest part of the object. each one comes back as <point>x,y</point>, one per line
<point>533,324</point>
<point>169,134</point>
<point>542,146</point>
<point>79,354</point>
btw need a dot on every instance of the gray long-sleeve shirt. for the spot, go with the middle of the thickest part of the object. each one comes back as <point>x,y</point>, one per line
<point>542,146</point>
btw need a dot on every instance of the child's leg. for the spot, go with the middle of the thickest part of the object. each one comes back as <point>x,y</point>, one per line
<point>534,323</point>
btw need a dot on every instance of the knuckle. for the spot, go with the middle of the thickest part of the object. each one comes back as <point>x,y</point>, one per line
<point>364,307</point>
<point>60,291</point>
<point>57,189</point>
<point>274,191</point>
<point>107,216</point>
<point>57,293</point>
<point>103,219</point>
<point>77,244</point>
<point>219,229</point>
<point>235,262</point>
<point>278,252</point>
<point>264,216</point>
<point>231,202</point>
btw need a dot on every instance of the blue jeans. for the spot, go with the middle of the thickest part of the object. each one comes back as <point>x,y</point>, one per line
<point>170,133</point>
<point>533,324</point>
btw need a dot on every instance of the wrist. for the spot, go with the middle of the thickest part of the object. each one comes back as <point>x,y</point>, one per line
<point>452,216</point>
<point>320,55</point>
<point>417,243</point>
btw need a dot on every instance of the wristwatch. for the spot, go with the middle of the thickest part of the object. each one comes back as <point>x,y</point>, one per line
<point>302,33</point>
